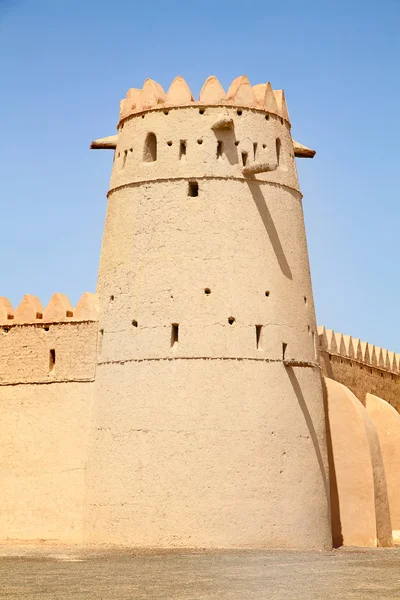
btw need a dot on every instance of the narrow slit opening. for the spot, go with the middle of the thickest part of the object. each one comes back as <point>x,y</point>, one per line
<point>193,189</point>
<point>124,158</point>
<point>174,334</point>
<point>255,150</point>
<point>52,360</point>
<point>182,149</point>
<point>219,149</point>
<point>278,150</point>
<point>284,346</point>
<point>258,336</point>
<point>244,158</point>
<point>150,148</point>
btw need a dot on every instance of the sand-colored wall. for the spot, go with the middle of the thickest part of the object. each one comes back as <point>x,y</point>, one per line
<point>362,367</point>
<point>359,501</point>
<point>387,422</point>
<point>211,441</point>
<point>44,417</point>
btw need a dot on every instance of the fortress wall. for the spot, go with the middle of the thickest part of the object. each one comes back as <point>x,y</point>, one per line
<point>361,367</point>
<point>44,415</point>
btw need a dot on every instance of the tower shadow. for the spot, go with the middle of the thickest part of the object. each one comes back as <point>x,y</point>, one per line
<point>254,187</point>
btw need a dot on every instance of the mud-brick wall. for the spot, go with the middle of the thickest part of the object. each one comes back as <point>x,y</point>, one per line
<point>362,378</point>
<point>46,378</point>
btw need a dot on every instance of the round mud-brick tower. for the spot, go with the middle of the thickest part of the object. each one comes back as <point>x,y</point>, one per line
<point>208,419</point>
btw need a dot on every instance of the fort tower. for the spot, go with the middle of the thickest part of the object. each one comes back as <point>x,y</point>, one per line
<point>208,419</point>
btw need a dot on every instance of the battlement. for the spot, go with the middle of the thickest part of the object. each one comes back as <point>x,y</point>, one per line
<point>241,93</point>
<point>58,310</point>
<point>348,347</point>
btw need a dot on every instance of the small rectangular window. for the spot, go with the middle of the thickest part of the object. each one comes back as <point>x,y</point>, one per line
<point>193,189</point>
<point>174,334</point>
<point>52,360</point>
<point>284,346</point>
<point>182,148</point>
<point>258,336</point>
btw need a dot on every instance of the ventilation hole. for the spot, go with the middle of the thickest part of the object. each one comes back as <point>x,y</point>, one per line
<point>258,336</point>
<point>39,315</point>
<point>200,141</point>
<point>101,331</point>
<point>305,299</point>
<point>219,149</point>
<point>124,158</point>
<point>231,320</point>
<point>239,112</point>
<point>255,150</point>
<point>52,360</point>
<point>174,334</point>
<point>278,149</point>
<point>264,146</point>
<point>69,313</point>
<point>10,317</point>
<point>207,291</point>
<point>281,120</point>
<point>169,143</point>
<point>142,116</point>
<point>6,329</point>
<point>202,111</point>
<point>134,323</point>
<point>370,371</point>
<point>150,148</point>
<point>237,143</point>
<point>381,374</point>
<point>166,112</point>
<point>308,328</point>
<point>244,158</point>
<point>182,148</point>
<point>130,149</point>
<point>267,293</point>
<point>47,328</point>
<point>119,154</point>
<point>284,346</point>
<point>112,298</point>
<point>267,117</point>
<point>193,189</point>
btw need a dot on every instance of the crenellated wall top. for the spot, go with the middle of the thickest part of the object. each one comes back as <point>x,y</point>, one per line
<point>59,309</point>
<point>240,93</point>
<point>353,348</point>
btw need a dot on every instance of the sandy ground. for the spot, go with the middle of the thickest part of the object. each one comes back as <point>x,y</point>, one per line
<point>56,573</point>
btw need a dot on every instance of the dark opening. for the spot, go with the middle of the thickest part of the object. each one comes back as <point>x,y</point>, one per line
<point>39,315</point>
<point>112,298</point>
<point>169,143</point>
<point>255,150</point>
<point>46,328</point>
<point>231,320</point>
<point>207,291</point>
<point>267,117</point>
<point>244,158</point>
<point>124,158</point>
<point>258,336</point>
<point>239,112</point>
<point>52,359</point>
<point>182,148</point>
<point>267,293</point>
<point>237,143</point>
<point>278,149</point>
<point>200,141</point>
<point>193,189</point>
<point>202,111</point>
<point>174,334</point>
<point>134,323</point>
<point>284,346</point>
<point>150,148</point>
<point>219,149</point>
<point>305,299</point>
<point>69,313</point>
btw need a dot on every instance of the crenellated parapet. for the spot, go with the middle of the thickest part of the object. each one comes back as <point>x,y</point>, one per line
<point>348,347</point>
<point>240,93</point>
<point>58,310</point>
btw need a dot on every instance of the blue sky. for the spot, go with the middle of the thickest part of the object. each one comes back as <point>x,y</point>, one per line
<point>65,64</point>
